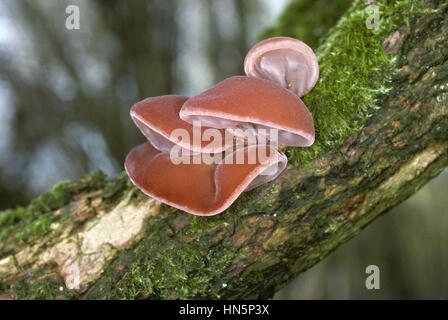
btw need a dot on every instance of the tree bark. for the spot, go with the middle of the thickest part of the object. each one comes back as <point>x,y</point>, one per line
<point>105,239</point>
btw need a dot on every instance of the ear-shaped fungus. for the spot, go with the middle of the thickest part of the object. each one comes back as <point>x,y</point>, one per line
<point>279,71</point>
<point>242,102</point>
<point>158,117</point>
<point>286,61</point>
<point>201,189</point>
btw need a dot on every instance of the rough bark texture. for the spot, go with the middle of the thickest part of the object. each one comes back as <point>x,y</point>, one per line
<point>104,239</point>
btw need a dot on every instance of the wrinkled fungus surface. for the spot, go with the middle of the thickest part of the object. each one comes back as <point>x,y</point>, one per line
<point>201,189</point>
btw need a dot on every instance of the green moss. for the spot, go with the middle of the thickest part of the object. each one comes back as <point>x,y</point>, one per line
<point>182,270</point>
<point>198,224</point>
<point>35,219</point>
<point>118,185</point>
<point>184,273</point>
<point>355,74</point>
<point>41,285</point>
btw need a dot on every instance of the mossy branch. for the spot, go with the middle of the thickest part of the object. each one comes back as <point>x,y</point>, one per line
<point>380,109</point>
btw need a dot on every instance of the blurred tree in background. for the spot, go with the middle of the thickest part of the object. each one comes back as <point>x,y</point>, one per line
<point>65,97</point>
<point>66,94</point>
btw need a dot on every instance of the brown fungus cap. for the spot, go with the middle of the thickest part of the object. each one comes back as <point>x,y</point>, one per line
<point>201,189</point>
<point>158,118</point>
<point>241,101</point>
<point>286,61</point>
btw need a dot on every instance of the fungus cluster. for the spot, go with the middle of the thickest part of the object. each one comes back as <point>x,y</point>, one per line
<point>187,164</point>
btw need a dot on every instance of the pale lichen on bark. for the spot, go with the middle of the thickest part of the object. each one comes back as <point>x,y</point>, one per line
<point>81,256</point>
